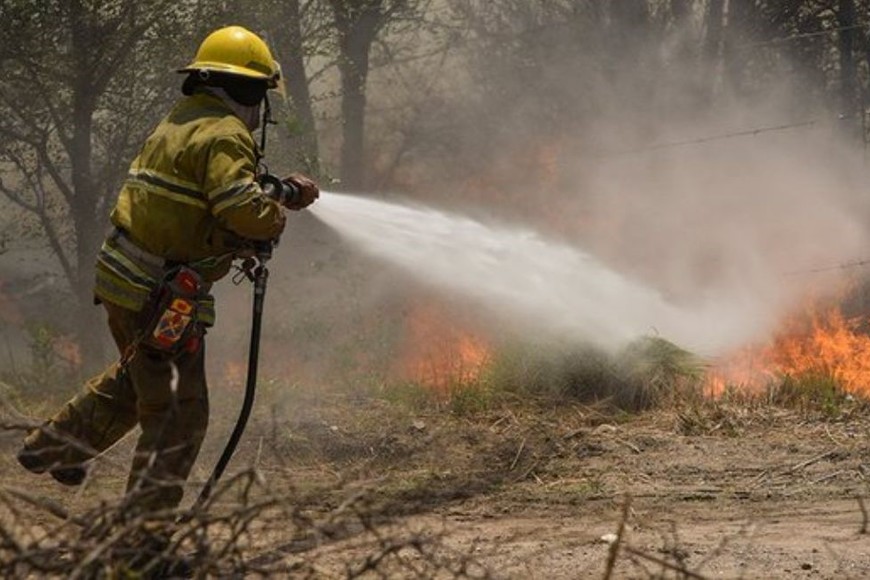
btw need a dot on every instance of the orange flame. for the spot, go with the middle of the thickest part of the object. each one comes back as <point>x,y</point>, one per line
<point>811,342</point>
<point>438,353</point>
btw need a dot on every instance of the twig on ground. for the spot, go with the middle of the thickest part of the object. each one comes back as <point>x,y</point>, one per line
<point>46,504</point>
<point>519,453</point>
<point>617,543</point>
<point>628,444</point>
<point>220,538</point>
<point>864,516</point>
<point>663,563</point>
<point>826,477</point>
<point>810,461</point>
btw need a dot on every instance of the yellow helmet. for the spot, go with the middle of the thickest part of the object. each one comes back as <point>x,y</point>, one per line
<point>237,51</point>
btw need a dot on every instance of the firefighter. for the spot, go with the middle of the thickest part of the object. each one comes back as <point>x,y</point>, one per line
<point>190,201</point>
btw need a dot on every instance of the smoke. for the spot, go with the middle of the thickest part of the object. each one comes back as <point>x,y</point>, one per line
<point>716,180</point>
<point>731,216</point>
<point>547,202</point>
<point>598,178</point>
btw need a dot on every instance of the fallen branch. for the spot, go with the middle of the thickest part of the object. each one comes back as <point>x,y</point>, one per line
<point>810,461</point>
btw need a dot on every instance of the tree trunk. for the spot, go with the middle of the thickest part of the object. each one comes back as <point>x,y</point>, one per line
<point>306,149</point>
<point>733,35</point>
<point>630,23</point>
<point>357,23</point>
<point>713,47</point>
<point>87,226</point>
<point>865,87</point>
<point>846,20</point>
<point>353,105</point>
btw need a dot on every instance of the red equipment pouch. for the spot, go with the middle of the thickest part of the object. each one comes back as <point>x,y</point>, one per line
<point>172,324</point>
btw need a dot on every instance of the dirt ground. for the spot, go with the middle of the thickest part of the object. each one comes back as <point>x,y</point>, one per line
<point>522,492</point>
<point>719,493</point>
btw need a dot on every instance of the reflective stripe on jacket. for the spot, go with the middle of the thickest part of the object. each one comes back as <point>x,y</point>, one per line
<point>127,279</point>
<point>190,197</point>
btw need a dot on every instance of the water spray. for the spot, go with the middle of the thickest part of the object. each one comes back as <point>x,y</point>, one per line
<point>544,284</point>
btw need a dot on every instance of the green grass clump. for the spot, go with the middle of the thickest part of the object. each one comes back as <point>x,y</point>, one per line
<point>649,372</point>
<point>667,373</point>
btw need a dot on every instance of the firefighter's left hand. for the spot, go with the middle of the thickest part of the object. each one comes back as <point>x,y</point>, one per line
<point>308,191</point>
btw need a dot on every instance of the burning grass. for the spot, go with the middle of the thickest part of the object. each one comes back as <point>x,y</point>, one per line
<point>818,360</point>
<point>439,352</point>
<point>816,364</point>
<point>649,373</point>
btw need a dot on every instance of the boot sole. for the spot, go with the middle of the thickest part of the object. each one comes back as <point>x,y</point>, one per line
<point>69,476</point>
<point>30,461</point>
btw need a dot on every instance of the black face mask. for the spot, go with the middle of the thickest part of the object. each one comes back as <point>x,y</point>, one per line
<point>191,82</point>
<point>245,91</point>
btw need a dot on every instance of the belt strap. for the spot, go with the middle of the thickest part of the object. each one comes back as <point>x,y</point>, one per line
<point>130,248</point>
<point>122,240</point>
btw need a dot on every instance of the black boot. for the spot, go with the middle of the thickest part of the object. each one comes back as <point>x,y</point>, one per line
<point>71,475</point>
<point>30,461</point>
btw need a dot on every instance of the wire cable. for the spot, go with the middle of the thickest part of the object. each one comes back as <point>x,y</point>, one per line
<point>711,138</point>
<point>822,269</point>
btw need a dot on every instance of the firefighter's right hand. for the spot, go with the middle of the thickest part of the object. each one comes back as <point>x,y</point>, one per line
<point>308,191</point>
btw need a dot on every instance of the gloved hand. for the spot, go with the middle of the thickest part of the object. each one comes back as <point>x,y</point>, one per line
<point>308,191</point>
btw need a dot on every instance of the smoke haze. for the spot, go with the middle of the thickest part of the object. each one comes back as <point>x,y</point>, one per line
<point>601,198</point>
<point>535,130</point>
<point>563,129</point>
<point>714,260</point>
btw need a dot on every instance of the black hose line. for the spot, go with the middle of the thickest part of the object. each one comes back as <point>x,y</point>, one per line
<point>260,278</point>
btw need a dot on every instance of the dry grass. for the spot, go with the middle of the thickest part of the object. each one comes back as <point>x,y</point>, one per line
<point>246,530</point>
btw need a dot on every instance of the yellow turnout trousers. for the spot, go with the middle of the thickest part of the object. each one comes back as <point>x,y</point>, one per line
<point>166,397</point>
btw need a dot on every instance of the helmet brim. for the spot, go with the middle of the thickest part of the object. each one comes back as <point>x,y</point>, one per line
<point>274,81</point>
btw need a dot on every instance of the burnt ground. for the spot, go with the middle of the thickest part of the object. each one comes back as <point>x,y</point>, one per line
<point>538,491</point>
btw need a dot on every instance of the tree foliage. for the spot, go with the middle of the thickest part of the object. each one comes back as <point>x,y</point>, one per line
<point>83,82</point>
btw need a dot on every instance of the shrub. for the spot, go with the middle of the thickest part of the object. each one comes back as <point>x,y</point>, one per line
<point>649,372</point>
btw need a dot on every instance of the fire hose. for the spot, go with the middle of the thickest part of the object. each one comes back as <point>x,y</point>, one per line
<point>258,273</point>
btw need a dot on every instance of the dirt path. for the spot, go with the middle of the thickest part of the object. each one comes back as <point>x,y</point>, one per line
<point>721,539</point>
<point>722,493</point>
